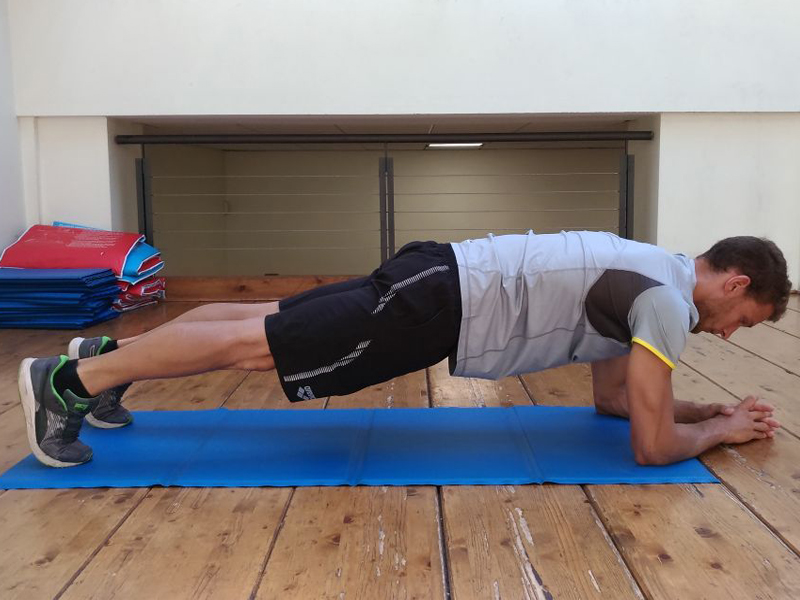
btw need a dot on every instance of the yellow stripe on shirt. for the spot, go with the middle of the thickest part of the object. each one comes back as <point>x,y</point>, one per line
<point>641,342</point>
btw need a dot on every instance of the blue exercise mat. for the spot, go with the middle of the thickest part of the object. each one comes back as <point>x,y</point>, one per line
<point>429,446</point>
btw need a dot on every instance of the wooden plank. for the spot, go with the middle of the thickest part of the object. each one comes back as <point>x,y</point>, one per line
<point>563,386</point>
<point>570,385</point>
<point>775,346</point>
<point>263,391</point>
<point>742,373</point>
<point>369,542</point>
<point>226,525</point>
<point>674,573</point>
<point>217,537</point>
<point>18,344</point>
<point>197,392</point>
<point>237,289</point>
<point>764,474</point>
<point>464,391</point>
<point>47,535</point>
<point>408,391</point>
<point>685,541</point>
<point>187,543</point>
<point>530,541</point>
<point>13,438</point>
<point>789,323</point>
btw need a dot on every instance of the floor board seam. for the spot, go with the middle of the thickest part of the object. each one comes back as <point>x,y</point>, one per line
<point>233,391</point>
<point>447,582</point>
<point>101,545</point>
<point>429,387</point>
<point>272,544</point>
<point>756,515</point>
<point>638,589</point>
<point>794,335</point>
<point>278,529</point>
<point>527,390</point>
<point>772,362</point>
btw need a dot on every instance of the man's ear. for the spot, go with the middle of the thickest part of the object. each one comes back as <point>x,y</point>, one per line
<point>737,284</point>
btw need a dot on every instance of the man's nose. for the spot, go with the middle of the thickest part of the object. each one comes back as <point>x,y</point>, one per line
<point>728,331</point>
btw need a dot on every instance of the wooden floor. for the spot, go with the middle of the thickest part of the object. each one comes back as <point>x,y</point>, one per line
<point>736,540</point>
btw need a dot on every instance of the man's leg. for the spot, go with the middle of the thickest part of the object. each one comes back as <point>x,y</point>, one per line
<point>108,412</point>
<point>220,311</point>
<point>180,348</point>
<point>57,393</point>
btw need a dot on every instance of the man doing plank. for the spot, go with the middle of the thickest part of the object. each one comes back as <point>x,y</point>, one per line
<point>496,306</point>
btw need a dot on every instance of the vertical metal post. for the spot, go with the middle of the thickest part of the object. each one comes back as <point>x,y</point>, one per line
<point>140,193</point>
<point>623,196</point>
<point>630,197</point>
<point>144,197</point>
<point>382,198</point>
<point>390,204</point>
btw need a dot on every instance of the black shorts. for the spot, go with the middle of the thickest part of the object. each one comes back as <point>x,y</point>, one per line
<point>340,338</point>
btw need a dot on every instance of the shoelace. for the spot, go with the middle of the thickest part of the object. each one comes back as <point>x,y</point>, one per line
<point>73,427</point>
<point>110,399</point>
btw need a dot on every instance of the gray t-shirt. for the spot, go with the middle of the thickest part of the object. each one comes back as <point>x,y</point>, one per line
<point>532,302</point>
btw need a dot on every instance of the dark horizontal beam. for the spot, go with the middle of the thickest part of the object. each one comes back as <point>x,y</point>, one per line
<point>386,138</point>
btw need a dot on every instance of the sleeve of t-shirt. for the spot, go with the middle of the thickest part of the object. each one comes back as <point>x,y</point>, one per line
<point>659,321</point>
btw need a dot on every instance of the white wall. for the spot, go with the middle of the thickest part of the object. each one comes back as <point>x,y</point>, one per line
<point>645,184</point>
<point>12,219</point>
<point>74,171</point>
<point>733,174</point>
<point>68,158</point>
<point>174,57</point>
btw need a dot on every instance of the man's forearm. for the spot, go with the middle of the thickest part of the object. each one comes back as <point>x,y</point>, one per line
<point>685,411</point>
<point>691,439</point>
<point>690,412</point>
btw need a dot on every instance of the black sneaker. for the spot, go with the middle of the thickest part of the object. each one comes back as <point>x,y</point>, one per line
<point>109,412</point>
<point>53,421</point>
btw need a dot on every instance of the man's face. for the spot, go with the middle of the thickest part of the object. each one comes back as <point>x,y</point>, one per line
<point>725,314</point>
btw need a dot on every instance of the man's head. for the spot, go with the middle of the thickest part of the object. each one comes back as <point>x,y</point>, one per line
<point>741,281</point>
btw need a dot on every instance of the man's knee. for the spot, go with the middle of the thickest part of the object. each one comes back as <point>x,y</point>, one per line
<point>248,340</point>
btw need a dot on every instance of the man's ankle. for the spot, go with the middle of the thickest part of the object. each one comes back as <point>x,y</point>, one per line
<point>66,378</point>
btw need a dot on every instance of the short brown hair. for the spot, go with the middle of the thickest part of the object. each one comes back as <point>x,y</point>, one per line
<point>762,261</point>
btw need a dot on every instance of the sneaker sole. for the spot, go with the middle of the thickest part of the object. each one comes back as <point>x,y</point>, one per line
<point>28,401</point>
<point>95,422</point>
<point>74,347</point>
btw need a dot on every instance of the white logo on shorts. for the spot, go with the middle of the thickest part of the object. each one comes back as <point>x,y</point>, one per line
<point>305,393</point>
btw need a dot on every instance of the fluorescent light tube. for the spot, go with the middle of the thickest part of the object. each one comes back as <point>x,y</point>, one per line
<point>457,145</point>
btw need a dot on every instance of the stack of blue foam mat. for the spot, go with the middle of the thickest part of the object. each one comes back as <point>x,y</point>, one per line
<point>56,298</point>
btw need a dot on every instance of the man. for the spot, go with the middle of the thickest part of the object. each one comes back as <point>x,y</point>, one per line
<point>495,306</point>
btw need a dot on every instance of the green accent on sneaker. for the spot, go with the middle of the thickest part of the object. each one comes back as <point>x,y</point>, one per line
<point>63,360</point>
<point>105,341</point>
<point>81,406</point>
